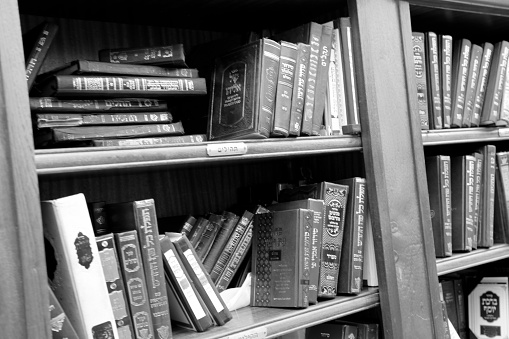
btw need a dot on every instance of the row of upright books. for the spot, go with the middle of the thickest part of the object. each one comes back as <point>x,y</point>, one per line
<point>460,83</point>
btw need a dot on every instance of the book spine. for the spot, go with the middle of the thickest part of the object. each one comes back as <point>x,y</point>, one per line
<point>496,80</point>
<point>196,232</point>
<point>304,255</point>
<point>504,101</point>
<point>284,90</point>
<point>345,28</point>
<point>39,51</point>
<point>115,283</point>
<point>134,278</point>
<point>446,77</point>
<point>477,197</point>
<point>208,236</point>
<point>472,82</point>
<point>229,222</point>
<point>61,327</point>
<point>268,84</point>
<point>480,90</point>
<point>77,119</point>
<point>446,204</point>
<point>171,55</point>
<point>51,104</point>
<point>485,237</point>
<point>98,217</point>
<point>470,203</point>
<point>86,66</point>
<point>433,80</point>
<point>314,58</point>
<point>183,139</point>
<point>148,232</point>
<point>340,120</point>
<point>188,225</point>
<point>299,88</point>
<point>461,57</point>
<point>462,211</point>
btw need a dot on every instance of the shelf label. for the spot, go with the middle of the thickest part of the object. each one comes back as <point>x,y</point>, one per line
<point>503,132</point>
<point>226,149</point>
<point>255,333</point>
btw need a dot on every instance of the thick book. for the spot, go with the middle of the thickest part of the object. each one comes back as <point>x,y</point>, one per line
<point>335,89</point>
<point>480,90</point>
<point>119,86</point>
<point>173,54</point>
<point>188,309</point>
<point>243,91</point>
<point>281,258</point>
<point>149,141</point>
<point>350,279</point>
<point>299,88</point>
<point>420,78</point>
<point>496,80</point>
<point>49,120</point>
<point>204,243</point>
<point>472,82</point>
<point>477,195</point>
<point>36,44</point>
<point>201,279</point>
<point>111,105</point>
<point>501,223</point>
<point>80,133</point>
<point>462,203</point>
<point>438,173</point>
<point>115,282</point>
<point>460,61</point>
<point>141,216</point>
<point>487,201</point>
<point>74,267</point>
<point>229,223</point>
<point>318,207</point>
<point>445,43</point>
<point>309,33</point>
<point>433,81</point>
<point>61,327</point>
<point>133,273</point>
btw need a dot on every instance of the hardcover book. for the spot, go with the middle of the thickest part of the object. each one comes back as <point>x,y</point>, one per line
<point>141,216</point>
<point>460,62</point>
<point>74,267</point>
<point>36,44</point>
<point>433,81</point>
<point>446,77</point>
<point>149,141</point>
<point>281,258</point>
<point>201,279</point>
<point>208,236</point>
<point>173,55</point>
<point>501,223</point>
<point>487,201</point>
<point>472,82</point>
<point>188,225</point>
<point>119,86</point>
<point>48,120</point>
<point>336,89</point>
<point>350,279</point>
<point>438,173</point>
<point>299,88</point>
<point>480,90</point>
<point>420,78</point>
<point>61,327</point>
<point>118,105</point>
<point>198,229</point>
<point>115,283</point>
<point>332,330</point>
<point>243,92</point>
<point>477,195</point>
<point>98,217</point>
<point>504,101</point>
<point>133,273</point>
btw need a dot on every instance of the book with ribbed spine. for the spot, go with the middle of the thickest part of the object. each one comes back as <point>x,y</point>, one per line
<point>173,54</point>
<point>480,90</point>
<point>110,105</point>
<point>48,120</point>
<point>299,88</point>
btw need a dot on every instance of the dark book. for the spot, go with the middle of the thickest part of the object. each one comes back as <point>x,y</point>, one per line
<point>149,141</point>
<point>173,55</point>
<point>49,120</point>
<point>487,201</point>
<point>350,278</point>
<point>501,218</point>
<point>460,61</point>
<point>140,215</point>
<point>447,332</point>
<point>229,222</point>
<point>115,283</point>
<point>98,217</point>
<point>462,202</point>
<point>366,329</point>
<point>201,279</point>
<point>318,208</point>
<point>420,78</point>
<point>80,133</point>
<point>243,92</point>
<point>61,327</point>
<point>461,308</point>
<point>496,80</point>
<point>231,245</point>
<point>284,89</point>
<point>477,195</point>
<point>438,173</point>
<point>281,259</point>
<point>188,225</point>
<point>36,44</point>
<point>480,90</point>
<point>188,309</point>
<point>119,86</point>
<point>299,88</point>
<point>208,235</point>
<point>322,77</point>
<point>198,229</point>
<point>445,42</point>
<point>450,302</point>
<point>309,33</point>
<point>472,82</point>
<point>433,81</point>
<point>332,330</point>
<point>122,105</point>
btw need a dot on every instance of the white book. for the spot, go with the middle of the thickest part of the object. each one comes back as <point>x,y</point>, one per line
<point>77,278</point>
<point>340,119</point>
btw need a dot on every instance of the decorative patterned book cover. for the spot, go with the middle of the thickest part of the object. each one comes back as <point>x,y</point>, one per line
<point>141,216</point>
<point>74,267</point>
<point>173,55</point>
<point>460,61</point>
<point>281,258</point>
<point>119,105</point>
<point>433,81</point>
<point>45,120</point>
<point>299,88</point>
<point>229,223</point>
<point>420,78</point>
<point>472,82</point>
<point>445,43</point>
<point>61,327</point>
<point>482,83</point>
<point>115,283</point>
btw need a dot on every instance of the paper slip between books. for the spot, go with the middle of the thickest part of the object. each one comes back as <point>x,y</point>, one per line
<point>238,297</point>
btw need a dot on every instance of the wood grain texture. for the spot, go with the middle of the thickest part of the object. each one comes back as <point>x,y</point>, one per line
<point>25,297</point>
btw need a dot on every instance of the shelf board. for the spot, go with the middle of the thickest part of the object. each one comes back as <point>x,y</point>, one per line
<point>89,159</point>
<point>480,256</point>
<point>464,135</point>
<point>277,321</point>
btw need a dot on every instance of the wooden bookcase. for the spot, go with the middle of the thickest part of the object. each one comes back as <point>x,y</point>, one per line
<point>184,179</point>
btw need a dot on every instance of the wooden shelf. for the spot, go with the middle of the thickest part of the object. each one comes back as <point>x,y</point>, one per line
<point>461,261</point>
<point>89,159</point>
<point>276,321</point>
<point>464,135</point>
